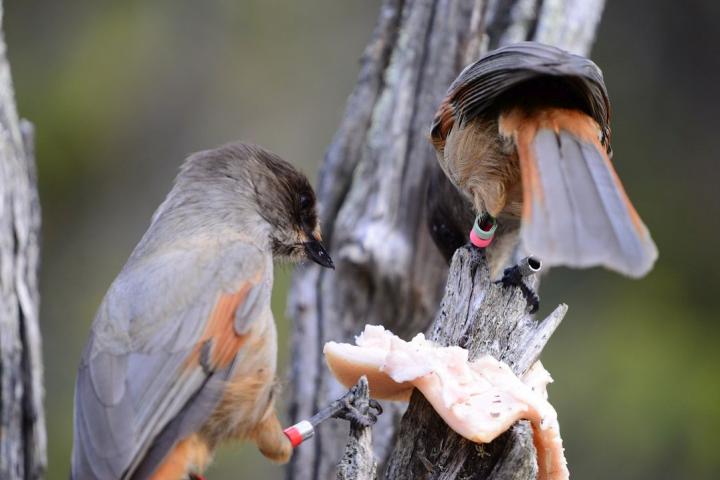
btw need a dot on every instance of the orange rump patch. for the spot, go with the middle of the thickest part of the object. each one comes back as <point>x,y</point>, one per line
<point>220,330</point>
<point>522,128</point>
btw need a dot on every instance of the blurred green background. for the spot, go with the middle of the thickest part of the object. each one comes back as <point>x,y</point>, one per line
<point>120,92</point>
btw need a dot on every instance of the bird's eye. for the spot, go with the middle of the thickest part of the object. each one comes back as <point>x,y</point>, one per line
<point>305,201</point>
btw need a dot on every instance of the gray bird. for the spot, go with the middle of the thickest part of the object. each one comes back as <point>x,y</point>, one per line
<point>182,352</point>
<point>524,136</point>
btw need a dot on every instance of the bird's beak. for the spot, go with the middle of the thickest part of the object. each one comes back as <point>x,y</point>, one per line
<point>317,253</point>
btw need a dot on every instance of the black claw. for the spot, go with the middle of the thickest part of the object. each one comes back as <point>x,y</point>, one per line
<point>531,297</point>
<point>351,407</point>
<point>354,407</point>
<point>353,414</point>
<point>512,277</point>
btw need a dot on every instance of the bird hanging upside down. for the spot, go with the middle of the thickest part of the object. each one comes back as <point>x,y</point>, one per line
<point>182,351</point>
<point>524,135</point>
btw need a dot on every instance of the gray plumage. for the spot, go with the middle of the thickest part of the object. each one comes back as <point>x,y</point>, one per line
<point>582,218</point>
<point>131,381</point>
<point>485,86</point>
<point>156,368</point>
<point>524,134</point>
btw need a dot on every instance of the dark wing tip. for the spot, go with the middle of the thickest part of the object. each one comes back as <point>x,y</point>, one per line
<point>479,86</point>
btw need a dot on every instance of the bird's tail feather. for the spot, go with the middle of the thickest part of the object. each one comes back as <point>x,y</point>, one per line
<point>575,210</point>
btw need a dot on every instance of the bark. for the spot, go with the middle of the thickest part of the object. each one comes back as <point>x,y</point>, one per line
<point>358,461</point>
<point>372,190</point>
<point>22,424</point>
<point>486,318</point>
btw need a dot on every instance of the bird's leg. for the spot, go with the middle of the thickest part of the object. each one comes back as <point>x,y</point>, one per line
<point>483,230</point>
<point>515,277</point>
<point>350,407</point>
<point>355,406</point>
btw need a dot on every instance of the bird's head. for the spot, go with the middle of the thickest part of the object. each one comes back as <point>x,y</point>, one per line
<point>253,191</point>
<point>287,202</point>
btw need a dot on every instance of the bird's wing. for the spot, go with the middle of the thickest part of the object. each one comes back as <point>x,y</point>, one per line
<point>478,88</point>
<point>162,344</point>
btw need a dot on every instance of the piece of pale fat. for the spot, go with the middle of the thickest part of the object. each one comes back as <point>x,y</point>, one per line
<point>479,399</point>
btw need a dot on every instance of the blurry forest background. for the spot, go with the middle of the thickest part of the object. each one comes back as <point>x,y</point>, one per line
<point>121,92</point>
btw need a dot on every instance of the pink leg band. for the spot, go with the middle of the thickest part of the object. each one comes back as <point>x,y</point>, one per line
<point>480,242</point>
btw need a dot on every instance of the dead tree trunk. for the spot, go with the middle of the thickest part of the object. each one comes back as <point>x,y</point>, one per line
<point>485,318</point>
<point>358,461</point>
<point>372,188</point>
<point>22,423</point>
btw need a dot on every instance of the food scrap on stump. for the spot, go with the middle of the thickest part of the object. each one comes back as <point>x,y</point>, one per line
<point>479,399</point>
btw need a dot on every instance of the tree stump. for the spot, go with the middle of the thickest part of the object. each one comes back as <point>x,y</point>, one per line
<point>22,421</point>
<point>372,188</point>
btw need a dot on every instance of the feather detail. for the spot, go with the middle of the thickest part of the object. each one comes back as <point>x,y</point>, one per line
<point>190,454</point>
<point>138,394</point>
<point>442,123</point>
<point>220,337</point>
<point>576,212</point>
<point>504,75</point>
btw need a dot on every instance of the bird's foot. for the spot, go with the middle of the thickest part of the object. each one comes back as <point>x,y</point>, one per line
<point>514,277</point>
<point>355,406</point>
<point>359,410</point>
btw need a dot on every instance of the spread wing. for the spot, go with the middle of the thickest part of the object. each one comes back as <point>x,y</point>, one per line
<point>478,88</point>
<point>163,342</point>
